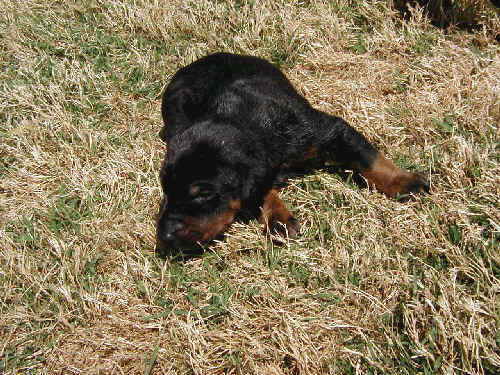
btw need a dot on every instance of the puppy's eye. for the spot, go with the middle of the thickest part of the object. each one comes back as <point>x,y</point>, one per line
<point>201,192</point>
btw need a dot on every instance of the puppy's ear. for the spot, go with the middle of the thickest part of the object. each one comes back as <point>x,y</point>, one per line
<point>256,178</point>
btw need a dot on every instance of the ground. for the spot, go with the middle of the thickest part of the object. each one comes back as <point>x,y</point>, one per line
<point>371,285</point>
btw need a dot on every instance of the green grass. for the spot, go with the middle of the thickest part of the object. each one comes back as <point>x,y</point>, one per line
<point>370,285</point>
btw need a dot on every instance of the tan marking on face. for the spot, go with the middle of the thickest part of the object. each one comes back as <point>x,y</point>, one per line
<point>235,204</point>
<point>311,154</point>
<point>203,229</point>
<point>194,190</point>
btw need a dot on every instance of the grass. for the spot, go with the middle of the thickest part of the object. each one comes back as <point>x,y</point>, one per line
<point>370,286</point>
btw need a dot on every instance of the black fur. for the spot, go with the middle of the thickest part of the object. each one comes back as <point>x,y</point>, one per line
<point>231,123</point>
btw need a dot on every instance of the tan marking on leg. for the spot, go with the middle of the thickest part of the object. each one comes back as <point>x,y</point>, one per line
<point>390,179</point>
<point>274,211</point>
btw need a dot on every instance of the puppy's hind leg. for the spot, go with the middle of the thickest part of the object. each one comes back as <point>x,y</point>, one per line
<point>344,145</point>
<point>392,180</point>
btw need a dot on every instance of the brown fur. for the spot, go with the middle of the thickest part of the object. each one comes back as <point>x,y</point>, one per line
<point>388,178</point>
<point>311,154</point>
<point>203,229</point>
<point>233,123</point>
<point>274,211</point>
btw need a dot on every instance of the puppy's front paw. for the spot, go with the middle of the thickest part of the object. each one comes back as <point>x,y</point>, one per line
<point>289,228</point>
<point>276,217</point>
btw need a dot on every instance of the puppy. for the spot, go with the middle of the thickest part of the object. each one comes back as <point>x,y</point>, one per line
<point>231,124</point>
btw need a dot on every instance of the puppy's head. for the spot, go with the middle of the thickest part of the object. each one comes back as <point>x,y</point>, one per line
<point>203,179</point>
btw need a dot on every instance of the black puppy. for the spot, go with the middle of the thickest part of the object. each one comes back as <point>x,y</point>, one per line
<point>231,123</point>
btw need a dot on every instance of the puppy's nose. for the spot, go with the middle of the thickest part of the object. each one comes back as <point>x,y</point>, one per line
<point>172,227</point>
<point>168,237</point>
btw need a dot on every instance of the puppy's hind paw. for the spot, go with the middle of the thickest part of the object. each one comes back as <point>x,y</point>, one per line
<point>418,184</point>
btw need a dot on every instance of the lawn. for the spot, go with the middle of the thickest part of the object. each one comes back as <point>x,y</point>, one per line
<point>370,286</point>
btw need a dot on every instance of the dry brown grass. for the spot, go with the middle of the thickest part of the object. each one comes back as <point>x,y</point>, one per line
<point>466,14</point>
<point>370,286</point>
